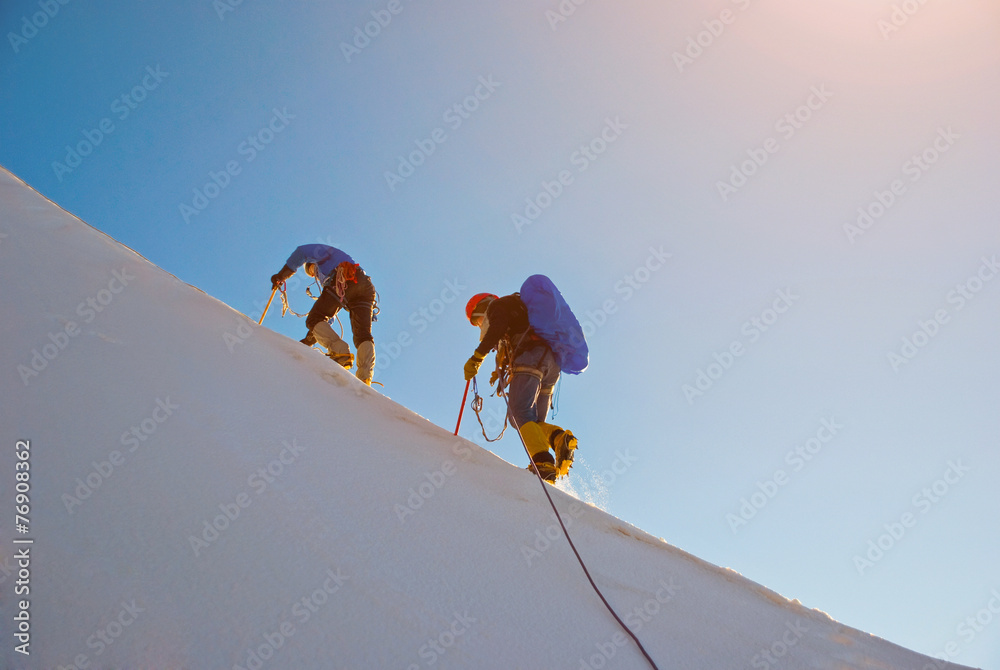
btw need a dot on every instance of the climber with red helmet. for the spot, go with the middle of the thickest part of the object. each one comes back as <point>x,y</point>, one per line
<point>526,363</point>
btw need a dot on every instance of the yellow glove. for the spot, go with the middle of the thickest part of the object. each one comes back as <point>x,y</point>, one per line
<point>472,365</point>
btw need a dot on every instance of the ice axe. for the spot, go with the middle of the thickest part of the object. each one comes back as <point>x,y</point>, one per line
<point>462,410</point>
<point>268,305</point>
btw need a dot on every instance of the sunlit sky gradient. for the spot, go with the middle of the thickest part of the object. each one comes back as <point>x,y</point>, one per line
<point>677,134</point>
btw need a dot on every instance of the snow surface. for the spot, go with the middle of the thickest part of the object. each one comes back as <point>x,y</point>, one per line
<point>377,539</point>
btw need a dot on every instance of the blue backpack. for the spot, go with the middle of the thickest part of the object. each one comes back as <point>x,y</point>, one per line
<point>552,320</point>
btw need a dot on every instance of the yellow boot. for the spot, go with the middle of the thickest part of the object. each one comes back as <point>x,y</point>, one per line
<point>563,443</point>
<point>536,440</point>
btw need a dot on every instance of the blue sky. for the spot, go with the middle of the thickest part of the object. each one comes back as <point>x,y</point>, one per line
<point>739,138</point>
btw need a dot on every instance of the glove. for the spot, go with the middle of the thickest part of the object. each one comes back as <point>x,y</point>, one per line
<point>282,275</point>
<point>472,365</point>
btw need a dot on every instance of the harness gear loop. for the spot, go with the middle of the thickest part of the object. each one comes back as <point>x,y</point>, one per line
<point>347,273</point>
<point>309,289</point>
<point>477,407</point>
<point>285,307</point>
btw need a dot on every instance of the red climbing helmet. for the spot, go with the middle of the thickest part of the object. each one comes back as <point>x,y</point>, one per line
<point>474,301</point>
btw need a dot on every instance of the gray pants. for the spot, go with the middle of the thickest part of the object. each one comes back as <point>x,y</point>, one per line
<point>534,374</point>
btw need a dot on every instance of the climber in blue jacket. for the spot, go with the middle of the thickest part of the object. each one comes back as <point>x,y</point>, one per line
<point>345,286</point>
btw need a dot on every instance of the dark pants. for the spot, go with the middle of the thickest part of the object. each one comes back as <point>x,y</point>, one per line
<point>534,374</point>
<point>359,301</point>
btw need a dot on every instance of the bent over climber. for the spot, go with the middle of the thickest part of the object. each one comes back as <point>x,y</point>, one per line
<point>345,286</point>
<point>532,369</point>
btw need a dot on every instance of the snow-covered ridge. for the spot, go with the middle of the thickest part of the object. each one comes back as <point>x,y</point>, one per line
<point>205,493</point>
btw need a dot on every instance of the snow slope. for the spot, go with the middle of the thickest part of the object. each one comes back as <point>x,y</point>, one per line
<point>206,493</point>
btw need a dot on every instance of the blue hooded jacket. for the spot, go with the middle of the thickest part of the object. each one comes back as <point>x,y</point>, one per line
<point>325,257</point>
